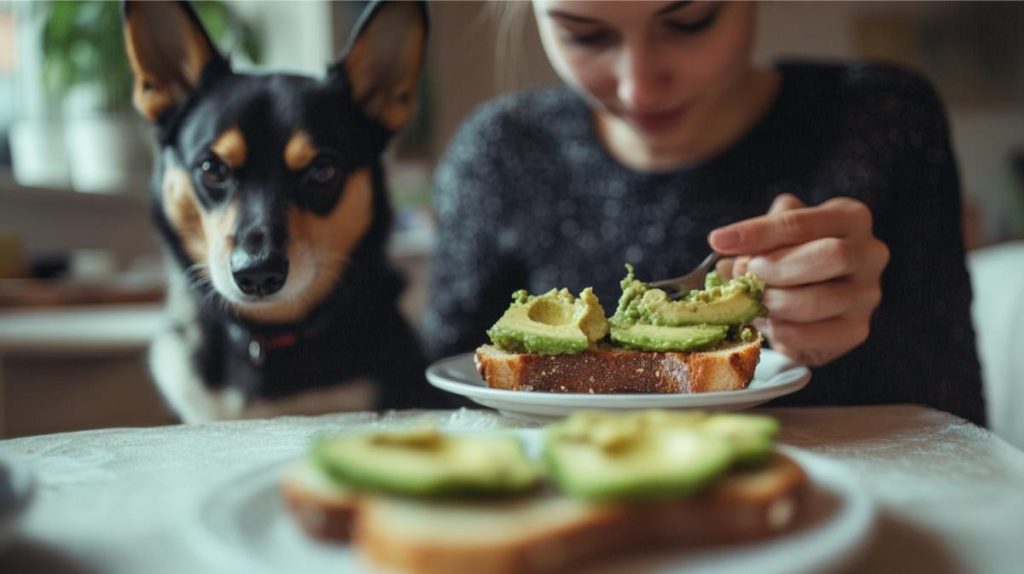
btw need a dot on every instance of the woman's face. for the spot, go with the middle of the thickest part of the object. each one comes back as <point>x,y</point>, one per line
<point>664,70</point>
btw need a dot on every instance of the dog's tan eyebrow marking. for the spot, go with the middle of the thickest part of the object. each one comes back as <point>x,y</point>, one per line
<point>299,151</point>
<point>230,147</point>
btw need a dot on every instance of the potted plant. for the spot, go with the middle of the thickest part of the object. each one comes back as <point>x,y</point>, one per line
<point>85,65</point>
<point>38,155</point>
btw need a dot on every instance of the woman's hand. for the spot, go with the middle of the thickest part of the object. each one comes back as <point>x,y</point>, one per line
<point>823,267</point>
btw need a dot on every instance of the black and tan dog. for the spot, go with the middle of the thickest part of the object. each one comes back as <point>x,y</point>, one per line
<point>269,193</point>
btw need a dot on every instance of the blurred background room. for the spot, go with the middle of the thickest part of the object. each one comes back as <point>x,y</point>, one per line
<point>81,273</point>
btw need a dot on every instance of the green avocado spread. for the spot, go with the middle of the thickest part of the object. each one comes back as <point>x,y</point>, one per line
<point>557,323</point>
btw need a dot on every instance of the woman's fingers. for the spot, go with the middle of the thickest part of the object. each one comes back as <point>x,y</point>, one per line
<point>725,267</point>
<point>822,266</point>
<point>814,261</point>
<point>821,260</point>
<point>819,342</point>
<point>841,217</point>
<point>732,266</point>
<point>810,303</point>
<point>785,202</point>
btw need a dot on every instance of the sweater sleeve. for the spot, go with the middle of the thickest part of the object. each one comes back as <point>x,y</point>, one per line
<point>922,338</point>
<point>471,276</point>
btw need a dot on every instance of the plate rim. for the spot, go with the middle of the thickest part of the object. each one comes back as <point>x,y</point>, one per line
<point>612,400</point>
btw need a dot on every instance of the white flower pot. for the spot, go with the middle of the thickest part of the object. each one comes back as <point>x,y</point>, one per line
<point>39,154</point>
<point>107,153</point>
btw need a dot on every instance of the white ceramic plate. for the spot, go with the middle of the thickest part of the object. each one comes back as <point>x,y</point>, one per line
<point>245,527</point>
<point>776,375</point>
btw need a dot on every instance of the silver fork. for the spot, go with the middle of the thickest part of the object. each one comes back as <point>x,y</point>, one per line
<point>692,280</point>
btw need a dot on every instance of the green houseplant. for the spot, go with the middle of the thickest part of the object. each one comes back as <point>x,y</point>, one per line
<point>86,69</point>
<point>83,45</point>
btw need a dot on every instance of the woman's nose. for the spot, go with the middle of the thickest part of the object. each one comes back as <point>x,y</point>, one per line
<point>643,82</point>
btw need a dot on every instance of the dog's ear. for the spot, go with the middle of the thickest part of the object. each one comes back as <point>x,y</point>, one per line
<point>383,60</point>
<point>168,50</point>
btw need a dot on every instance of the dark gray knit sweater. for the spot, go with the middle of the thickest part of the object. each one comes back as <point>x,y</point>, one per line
<point>527,197</point>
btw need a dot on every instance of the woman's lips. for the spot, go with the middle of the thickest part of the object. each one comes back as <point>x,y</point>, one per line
<point>656,121</point>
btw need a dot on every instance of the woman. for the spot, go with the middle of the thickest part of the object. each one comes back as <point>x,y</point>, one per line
<point>666,143</point>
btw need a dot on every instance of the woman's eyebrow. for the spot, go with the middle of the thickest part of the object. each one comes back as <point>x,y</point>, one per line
<point>573,17</point>
<point>673,7</point>
<point>586,20</point>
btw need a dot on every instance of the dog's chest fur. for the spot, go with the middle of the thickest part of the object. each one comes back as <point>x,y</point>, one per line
<point>207,373</point>
<point>356,354</point>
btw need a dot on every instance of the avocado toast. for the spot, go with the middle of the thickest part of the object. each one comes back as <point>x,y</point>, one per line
<point>599,486</point>
<point>654,343</point>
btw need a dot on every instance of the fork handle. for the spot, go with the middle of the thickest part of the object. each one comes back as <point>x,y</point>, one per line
<point>709,262</point>
<point>700,270</point>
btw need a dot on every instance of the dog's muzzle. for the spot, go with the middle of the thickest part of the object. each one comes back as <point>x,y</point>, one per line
<point>259,262</point>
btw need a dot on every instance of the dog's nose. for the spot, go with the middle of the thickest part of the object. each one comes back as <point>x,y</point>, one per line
<point>259,276</point>
<point>259,261</point>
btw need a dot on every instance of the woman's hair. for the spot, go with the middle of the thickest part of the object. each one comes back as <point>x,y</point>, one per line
<point>509,20</point>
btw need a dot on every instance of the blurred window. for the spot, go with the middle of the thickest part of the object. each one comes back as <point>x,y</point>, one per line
<point>8,58</point>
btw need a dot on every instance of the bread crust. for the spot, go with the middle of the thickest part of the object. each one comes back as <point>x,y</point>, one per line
<point>746,506</point>
<point>616,370</point>
<point>324,517</point>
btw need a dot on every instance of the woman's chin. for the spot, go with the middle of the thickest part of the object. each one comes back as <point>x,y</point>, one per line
<point>671,147</point>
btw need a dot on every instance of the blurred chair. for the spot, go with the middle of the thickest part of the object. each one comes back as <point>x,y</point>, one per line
<point>997,274</point>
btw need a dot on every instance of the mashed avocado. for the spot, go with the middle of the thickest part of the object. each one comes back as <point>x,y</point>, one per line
<point>732,302</point>
<point>649,319</point>
<point>554,323</point>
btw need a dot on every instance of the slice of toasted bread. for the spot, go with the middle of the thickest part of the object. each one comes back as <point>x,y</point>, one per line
<point>617,370</point>
<point>322,508</point>
<point>552,533</point>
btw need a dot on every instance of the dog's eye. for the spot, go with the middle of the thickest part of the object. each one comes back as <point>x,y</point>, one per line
<point>214,173</point>
<point>321,172</point>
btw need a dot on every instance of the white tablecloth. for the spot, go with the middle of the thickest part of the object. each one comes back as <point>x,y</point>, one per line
<point>951,495</point>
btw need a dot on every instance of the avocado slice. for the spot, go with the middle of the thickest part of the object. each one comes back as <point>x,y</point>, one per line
<point>426,463</point>
<point>599,456</point>
<point>554,323</point>
<point>751,436</point>
<point>727,306</point>
<point>732,302</point>
<point>659,338</point>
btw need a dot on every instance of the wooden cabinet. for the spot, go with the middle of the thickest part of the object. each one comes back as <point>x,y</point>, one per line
<point>77,368</point>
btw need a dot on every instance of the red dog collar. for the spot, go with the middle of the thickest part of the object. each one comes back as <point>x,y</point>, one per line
<point>259,346</point>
